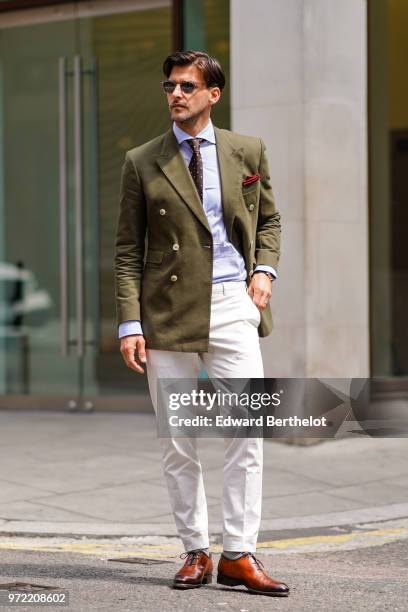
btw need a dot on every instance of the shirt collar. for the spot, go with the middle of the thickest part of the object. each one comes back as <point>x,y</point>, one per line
<point>207,133</point>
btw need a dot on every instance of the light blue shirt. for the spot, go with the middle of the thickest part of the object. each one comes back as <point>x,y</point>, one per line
<point>228,263</point>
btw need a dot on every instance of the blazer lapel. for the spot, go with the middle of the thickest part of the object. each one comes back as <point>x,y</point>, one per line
<point>230,162</point>
<point>172,164</point>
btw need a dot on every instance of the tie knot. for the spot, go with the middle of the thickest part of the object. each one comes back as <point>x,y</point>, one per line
<point>195,144</point>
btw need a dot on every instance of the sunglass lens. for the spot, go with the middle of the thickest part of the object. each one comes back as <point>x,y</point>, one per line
<point>187,86</point>
<point>169,86</point>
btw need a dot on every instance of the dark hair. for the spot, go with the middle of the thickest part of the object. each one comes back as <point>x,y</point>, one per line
<point>209,66</point>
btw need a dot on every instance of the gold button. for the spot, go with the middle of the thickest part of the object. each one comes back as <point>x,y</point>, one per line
<point>173,278</point>
<point>251,207</point>
<point>175,247</point>
<point>162,211</point>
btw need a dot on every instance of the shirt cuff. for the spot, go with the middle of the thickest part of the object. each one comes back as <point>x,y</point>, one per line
<point>263,268</point>
<point>130,328</point>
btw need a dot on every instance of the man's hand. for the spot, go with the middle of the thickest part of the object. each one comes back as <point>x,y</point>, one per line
<point>260,290</point>
<point>131,345</point>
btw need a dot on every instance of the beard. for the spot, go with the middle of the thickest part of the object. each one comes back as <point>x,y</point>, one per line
<point>185,115</point>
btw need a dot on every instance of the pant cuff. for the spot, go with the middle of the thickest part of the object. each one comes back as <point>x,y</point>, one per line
<point>238,544</point>
<point>196,542</point>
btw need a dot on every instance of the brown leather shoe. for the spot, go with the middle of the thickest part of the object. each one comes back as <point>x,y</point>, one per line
<point>247,571</point>
<point>196,571</point>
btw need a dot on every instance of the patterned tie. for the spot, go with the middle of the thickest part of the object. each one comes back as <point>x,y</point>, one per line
<point>196,164</point>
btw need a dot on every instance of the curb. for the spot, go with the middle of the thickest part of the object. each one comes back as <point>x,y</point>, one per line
<point>115,530</point>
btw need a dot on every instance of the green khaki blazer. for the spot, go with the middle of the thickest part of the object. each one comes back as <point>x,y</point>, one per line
<point>163,247</point>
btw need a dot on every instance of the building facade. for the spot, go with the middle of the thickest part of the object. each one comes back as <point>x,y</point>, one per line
<point>321,81</point>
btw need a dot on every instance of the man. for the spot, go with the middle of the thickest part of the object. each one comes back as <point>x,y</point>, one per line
<point>197,247</point>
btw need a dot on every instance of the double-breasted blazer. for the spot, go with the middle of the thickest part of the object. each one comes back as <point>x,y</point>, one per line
<point>163,247</point>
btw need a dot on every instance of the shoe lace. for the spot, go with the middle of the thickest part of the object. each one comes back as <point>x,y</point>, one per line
<point>257,561</point>
<point>191,556</point>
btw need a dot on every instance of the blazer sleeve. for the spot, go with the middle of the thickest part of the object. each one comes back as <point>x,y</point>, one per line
<point>268,231</point>
<point>129,243</point>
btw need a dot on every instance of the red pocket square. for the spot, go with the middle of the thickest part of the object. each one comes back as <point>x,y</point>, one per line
<point>251,179</point>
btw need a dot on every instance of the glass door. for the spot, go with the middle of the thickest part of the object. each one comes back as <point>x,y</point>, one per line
<point>38,323</point>
<point>76,92</point>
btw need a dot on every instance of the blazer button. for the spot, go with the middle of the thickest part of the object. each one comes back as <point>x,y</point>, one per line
<point>176,247</point>
<point>251,207</point>
<point>173,278</point>
<point>162,211</point>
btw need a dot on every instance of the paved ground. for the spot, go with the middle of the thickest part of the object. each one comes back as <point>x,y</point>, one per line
<point>83,506</point>
<point>100,474</point>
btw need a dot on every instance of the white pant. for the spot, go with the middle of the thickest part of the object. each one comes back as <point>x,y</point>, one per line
<point>234,352</point>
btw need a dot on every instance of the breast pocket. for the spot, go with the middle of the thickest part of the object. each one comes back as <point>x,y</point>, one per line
<point>250,195</point>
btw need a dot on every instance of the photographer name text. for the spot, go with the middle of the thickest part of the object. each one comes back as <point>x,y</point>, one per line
<point>259,421</point>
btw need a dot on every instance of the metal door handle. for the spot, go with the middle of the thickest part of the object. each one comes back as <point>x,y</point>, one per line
<point>95,227</point>
<point>63,205</point>
<point>79,277</point>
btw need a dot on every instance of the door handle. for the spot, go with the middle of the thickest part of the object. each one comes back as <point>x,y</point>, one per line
<point>79,264</point>
<point>95,225</point>
<point>62,120</point>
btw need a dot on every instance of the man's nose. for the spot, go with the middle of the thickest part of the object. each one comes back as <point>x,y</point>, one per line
<point>177,91</point>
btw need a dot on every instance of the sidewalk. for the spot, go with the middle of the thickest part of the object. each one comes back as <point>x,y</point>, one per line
<point>100,475</point>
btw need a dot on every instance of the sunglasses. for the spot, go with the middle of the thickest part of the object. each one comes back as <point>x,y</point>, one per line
<point>186,86</point>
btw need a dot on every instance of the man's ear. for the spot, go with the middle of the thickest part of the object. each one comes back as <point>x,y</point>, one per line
<point>215,95</point>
